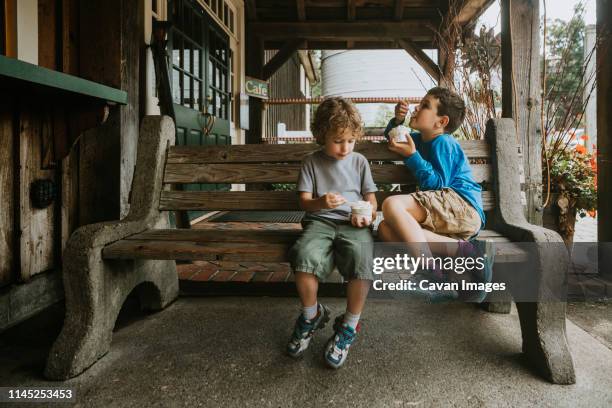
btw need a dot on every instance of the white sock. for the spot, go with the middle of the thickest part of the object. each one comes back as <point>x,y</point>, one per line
<point>351,319</point>
<point>310,312</point>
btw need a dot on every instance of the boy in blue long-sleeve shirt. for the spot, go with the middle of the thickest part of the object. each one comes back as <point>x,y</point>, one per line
<point>447,209</point>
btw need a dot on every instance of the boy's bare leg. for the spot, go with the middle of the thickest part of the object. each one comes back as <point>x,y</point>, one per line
<point>307,286</point>
<point>404,215</point>
<point>400,208</point>
<point>356,294</point>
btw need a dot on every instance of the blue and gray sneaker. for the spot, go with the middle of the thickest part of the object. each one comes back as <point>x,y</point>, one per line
<point>304,331</point>
<point>486,250</point>
<point>432,296</point>
<point>338,345</point>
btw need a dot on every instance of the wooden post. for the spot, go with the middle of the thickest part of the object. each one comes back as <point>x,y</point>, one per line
<point>604,139</point>
<point>254,68</point>
<point>521,91</point>
<point>112,57</point>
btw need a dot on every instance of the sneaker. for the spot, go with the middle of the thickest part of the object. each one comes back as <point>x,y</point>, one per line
<point>432,296</point>
<point>486,250</point>
<point>304,331</point>
<point>338,345</point>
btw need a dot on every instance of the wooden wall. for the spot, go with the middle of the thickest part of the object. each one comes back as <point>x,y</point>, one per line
<point>285,83</point>
<point>37,226</point>
<point>7,242</point>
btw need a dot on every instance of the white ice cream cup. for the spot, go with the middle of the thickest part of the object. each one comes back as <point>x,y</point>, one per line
<point>399,133</point>
<point>362,209</point>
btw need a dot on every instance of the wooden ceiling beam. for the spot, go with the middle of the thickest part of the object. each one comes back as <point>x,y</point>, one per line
<point>342,45</point>
<point>420,57</point>
<point>342,30</point>
<point>470,10</point>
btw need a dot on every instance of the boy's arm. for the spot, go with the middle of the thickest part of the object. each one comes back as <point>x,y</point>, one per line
<point>401,111</point>
<point>392,124</point>
<point>327,201</point>
<point>371,198</point>
<point>435,175</point>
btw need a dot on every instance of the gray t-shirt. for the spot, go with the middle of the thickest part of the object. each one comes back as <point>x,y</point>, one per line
<point>351,177</point>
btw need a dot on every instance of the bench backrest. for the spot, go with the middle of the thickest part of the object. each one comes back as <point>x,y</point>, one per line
<point>257,164</point>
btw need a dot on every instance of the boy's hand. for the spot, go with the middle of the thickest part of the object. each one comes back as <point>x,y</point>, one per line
<point>360,221</point>
<point>332,200</point>
<point>401,110</point>
<point>405,149</point>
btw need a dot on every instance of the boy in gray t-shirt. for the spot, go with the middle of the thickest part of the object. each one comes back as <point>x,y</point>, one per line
<point>329,180</point>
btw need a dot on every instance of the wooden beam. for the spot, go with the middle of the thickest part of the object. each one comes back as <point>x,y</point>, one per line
<point>604,138</point>
<point>251,10</point>
<point>521,91</point>
<point>351,10</point>
<point>342,44</point>
<point>254,68</point>
<point>470,10</point>
<point>398,10</point>
<point>424,61</point>
<point>281,57</point>
<point>301,10</point>
<point>342,30</point>
<point>308,64</point>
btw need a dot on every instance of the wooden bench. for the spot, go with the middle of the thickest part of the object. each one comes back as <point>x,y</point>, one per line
<point>105,262</point>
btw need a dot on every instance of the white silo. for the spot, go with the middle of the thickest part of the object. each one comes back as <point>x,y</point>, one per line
<point>371,73</point>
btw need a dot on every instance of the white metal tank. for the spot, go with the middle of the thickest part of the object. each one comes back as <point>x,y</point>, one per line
<point>368,73</point>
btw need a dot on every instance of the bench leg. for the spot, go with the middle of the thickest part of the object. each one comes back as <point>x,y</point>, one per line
<point>94,296</point>
<point>544,340</point>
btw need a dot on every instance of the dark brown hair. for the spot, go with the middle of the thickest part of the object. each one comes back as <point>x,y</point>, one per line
<point>335,114</point>
<point>451,105</point>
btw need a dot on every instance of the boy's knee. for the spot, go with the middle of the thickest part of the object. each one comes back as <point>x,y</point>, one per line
<point>395,204</point>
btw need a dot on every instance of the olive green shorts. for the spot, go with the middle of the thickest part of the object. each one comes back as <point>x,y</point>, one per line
<point>448,213</point>
<point>326,243</point>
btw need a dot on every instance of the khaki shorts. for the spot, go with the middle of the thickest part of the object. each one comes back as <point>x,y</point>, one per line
<point>448,213</point>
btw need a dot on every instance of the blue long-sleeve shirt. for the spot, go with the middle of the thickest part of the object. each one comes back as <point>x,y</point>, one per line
<point>441,163</point>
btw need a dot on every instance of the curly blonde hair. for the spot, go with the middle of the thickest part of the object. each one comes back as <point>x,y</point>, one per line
<point>335,114</point>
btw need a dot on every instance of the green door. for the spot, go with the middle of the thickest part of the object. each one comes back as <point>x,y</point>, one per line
<point>201,80</point>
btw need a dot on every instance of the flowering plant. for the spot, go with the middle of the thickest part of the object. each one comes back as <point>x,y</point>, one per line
<point>573,173</point>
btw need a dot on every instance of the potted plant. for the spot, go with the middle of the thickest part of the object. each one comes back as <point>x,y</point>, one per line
<point>570,177</point>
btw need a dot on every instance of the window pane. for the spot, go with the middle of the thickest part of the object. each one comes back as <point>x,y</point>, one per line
<point>176,86</point>
<point>177,45</point>
<point>196,95</point>
<point>187,100</point>
<point>196,62</point>
<point>187,57</point>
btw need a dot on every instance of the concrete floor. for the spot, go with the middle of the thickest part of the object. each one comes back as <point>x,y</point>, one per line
<point>229,352</point>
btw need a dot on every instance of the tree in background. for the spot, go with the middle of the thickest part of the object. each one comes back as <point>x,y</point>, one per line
<point>384,113</point>
<point>564,71</point>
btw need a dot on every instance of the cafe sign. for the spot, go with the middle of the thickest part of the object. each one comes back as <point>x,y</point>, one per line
<point>256,88</point>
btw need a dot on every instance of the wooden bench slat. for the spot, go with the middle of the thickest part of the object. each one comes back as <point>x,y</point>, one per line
<point>286,173</point>
<point>184,250</point>
<point>254,200</point>
<point>220,234</point>
<point>293,152</point>
<point>244,245</point>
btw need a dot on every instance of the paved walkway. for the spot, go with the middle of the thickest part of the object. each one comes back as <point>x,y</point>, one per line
<point>228,352</point>
<point>586,229</point>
